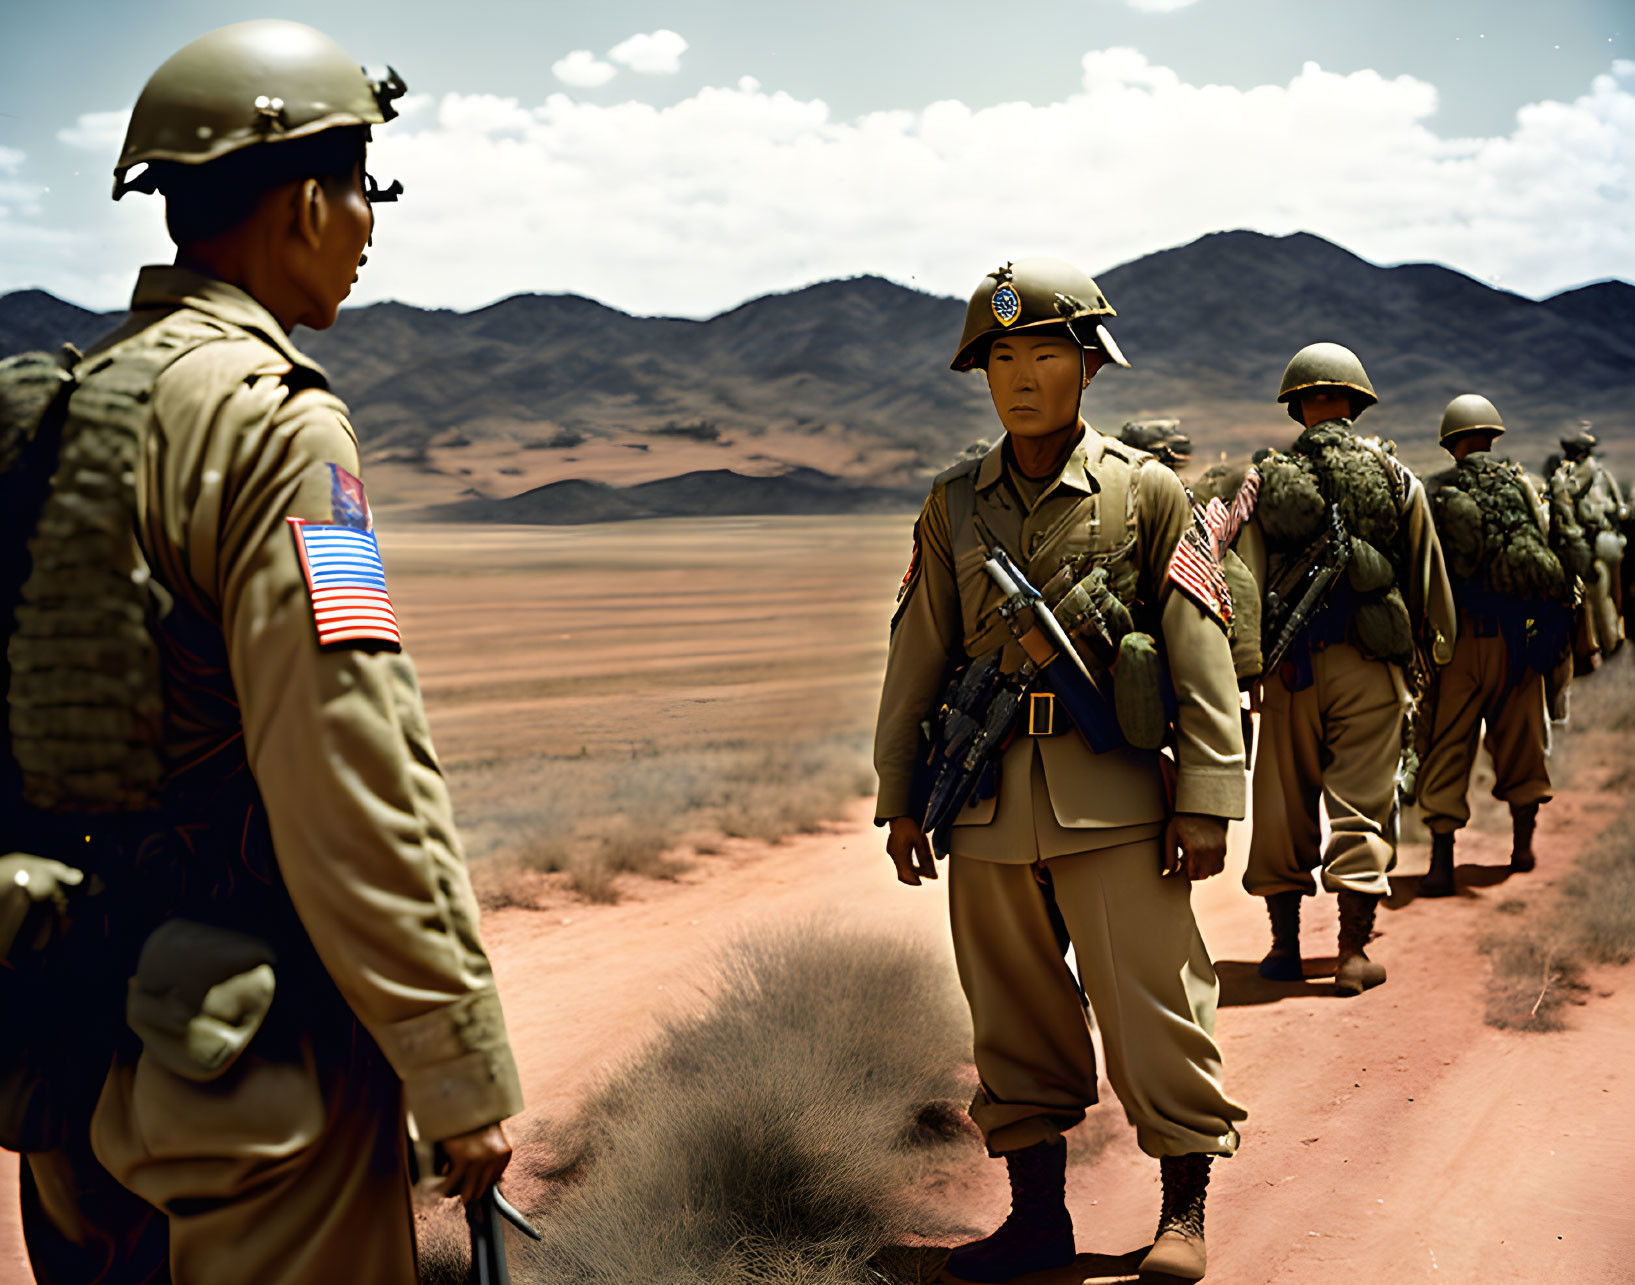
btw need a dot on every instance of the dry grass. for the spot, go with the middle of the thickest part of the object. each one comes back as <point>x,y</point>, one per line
<point>632,814</point>
<point>770,1140</point>
<point>1538,968</point>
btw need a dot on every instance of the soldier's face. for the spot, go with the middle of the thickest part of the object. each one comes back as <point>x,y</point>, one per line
<point>1036,382</point>
<point>1323,404</point>
<point>337,221</point>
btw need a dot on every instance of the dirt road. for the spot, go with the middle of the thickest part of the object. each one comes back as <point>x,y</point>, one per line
<point>1393,1137</point>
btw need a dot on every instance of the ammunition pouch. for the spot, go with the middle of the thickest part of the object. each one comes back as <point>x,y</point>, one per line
<point>1138,692</point>
<point>199,996</point>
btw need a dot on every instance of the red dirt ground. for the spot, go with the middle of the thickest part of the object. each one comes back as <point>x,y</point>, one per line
<point>1392,1137</point>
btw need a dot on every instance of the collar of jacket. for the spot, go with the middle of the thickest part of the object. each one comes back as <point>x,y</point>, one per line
<point>1075,470</point>
<point>165,288</point>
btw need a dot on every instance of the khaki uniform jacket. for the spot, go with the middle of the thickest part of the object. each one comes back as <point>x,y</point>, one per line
<point>950,607</point>
<point>243,434</point>
<point>1426,589</point>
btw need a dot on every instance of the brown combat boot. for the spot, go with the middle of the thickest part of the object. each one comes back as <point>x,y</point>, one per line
<point>1522,821</point>
<point>1282,962</point>
<point>1177,1251</point>
<point>1354,972</point>
<point>1438,880</point>
<point>1038,1234</point>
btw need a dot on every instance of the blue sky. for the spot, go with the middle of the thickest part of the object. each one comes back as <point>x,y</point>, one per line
<point>680,157</point>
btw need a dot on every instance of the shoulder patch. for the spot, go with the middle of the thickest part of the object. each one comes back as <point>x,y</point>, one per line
<point>346,583</point>
<point>1195,566</point>
<point>347,500</point>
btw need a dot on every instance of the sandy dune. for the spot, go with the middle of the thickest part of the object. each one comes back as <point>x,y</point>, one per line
<point>1393,1137</point>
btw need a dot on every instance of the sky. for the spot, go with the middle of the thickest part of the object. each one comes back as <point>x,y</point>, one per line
<point>678,158</point>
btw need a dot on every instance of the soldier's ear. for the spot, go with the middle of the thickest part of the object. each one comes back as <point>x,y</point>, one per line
<point>311,212</point>
<point>1094,359</point>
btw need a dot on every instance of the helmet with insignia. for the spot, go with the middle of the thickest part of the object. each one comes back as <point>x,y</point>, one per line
<point>1469,413</point>
<point>1327,366</point>
<point>248,85</point>
<point>1035,295</point>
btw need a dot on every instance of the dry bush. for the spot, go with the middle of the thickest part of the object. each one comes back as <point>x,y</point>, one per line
<point>1539,968</point>
<point>609,816</point>
<point>772,1139</point>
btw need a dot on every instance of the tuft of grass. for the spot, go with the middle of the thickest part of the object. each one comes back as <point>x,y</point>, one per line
<point>770,1139</point>
<point>1539,968</point>
<point>609,816</point>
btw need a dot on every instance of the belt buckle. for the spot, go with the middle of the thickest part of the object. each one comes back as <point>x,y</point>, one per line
<point>1041,713</point>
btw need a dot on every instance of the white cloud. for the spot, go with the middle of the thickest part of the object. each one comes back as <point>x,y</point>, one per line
<point>101,132</point>
<point>733,192</point>
<point>656,53</point>
<point>583,70</point>
<point>1159,6</point>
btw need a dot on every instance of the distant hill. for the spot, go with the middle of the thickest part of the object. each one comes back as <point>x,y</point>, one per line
<point>838,396</point>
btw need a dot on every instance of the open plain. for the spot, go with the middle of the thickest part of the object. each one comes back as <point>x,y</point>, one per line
<point>686,683</point>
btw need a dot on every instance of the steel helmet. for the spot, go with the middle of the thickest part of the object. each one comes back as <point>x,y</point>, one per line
<point>1032,294</point>
<point>264,81</point>
<point>1469,413</point>
<point>1326,366</point>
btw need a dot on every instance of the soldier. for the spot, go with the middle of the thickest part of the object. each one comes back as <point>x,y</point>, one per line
<point>1515,619</point>
<point>207,687</point>
<point>1354,590</point>
<point>1584,492</point>
<point>1094,831</point>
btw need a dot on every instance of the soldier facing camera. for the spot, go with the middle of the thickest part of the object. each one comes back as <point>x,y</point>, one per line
<point>1061,622</point>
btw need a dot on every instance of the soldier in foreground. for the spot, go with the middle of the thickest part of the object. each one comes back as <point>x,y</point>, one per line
<point>1584,492</point>
<point>215,734</point>
<point>1074,820</point>
<point>1515,621</point>
<point>1355,597</point>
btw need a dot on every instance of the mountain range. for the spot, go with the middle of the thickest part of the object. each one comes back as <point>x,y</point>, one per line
<point>837,397</point>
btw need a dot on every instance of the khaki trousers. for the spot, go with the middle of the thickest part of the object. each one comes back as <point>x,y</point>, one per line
<point>1471,690</point>
<point>288,1170</point>
<point>81,1227</point>
<point>1340,738</point>
<point>1150,983</point>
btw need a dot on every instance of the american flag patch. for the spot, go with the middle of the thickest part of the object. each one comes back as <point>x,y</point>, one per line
<point>1195,566</point>
<point>347,584</point>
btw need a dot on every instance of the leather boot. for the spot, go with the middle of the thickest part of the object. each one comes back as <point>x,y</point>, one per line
<point>1522,821</point>
<point>1355,972</point>
<point>1438,880</point>
<point>1178,1250</point>
<point>1282,962</point>
<point>1038,1235</point>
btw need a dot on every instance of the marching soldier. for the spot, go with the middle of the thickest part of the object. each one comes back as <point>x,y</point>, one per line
<point>1584,492</point>
<point>1054,820</point>
<point>1514,602</point>
<point>215,734</point>
<point>1354,593</point>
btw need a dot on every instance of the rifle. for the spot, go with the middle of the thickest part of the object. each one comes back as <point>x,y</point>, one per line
<point>1306,585</point>
<point>1058,666</point>
<point>975,721</point>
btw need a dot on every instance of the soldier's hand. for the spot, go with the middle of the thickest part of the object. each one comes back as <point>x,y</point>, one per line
<point>475,1162</point>
<point>910,851</point>
<point>1196,845</point>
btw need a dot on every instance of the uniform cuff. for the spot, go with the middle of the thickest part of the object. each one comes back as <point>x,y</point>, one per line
<point>1221,792</point>
<point>891,802</point>
<point>456,1066</point>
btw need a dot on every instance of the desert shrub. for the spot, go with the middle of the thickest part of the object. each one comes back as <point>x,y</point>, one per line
<point>1538,968</point>
<point>773,1137</point>
<point>628,813</point>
